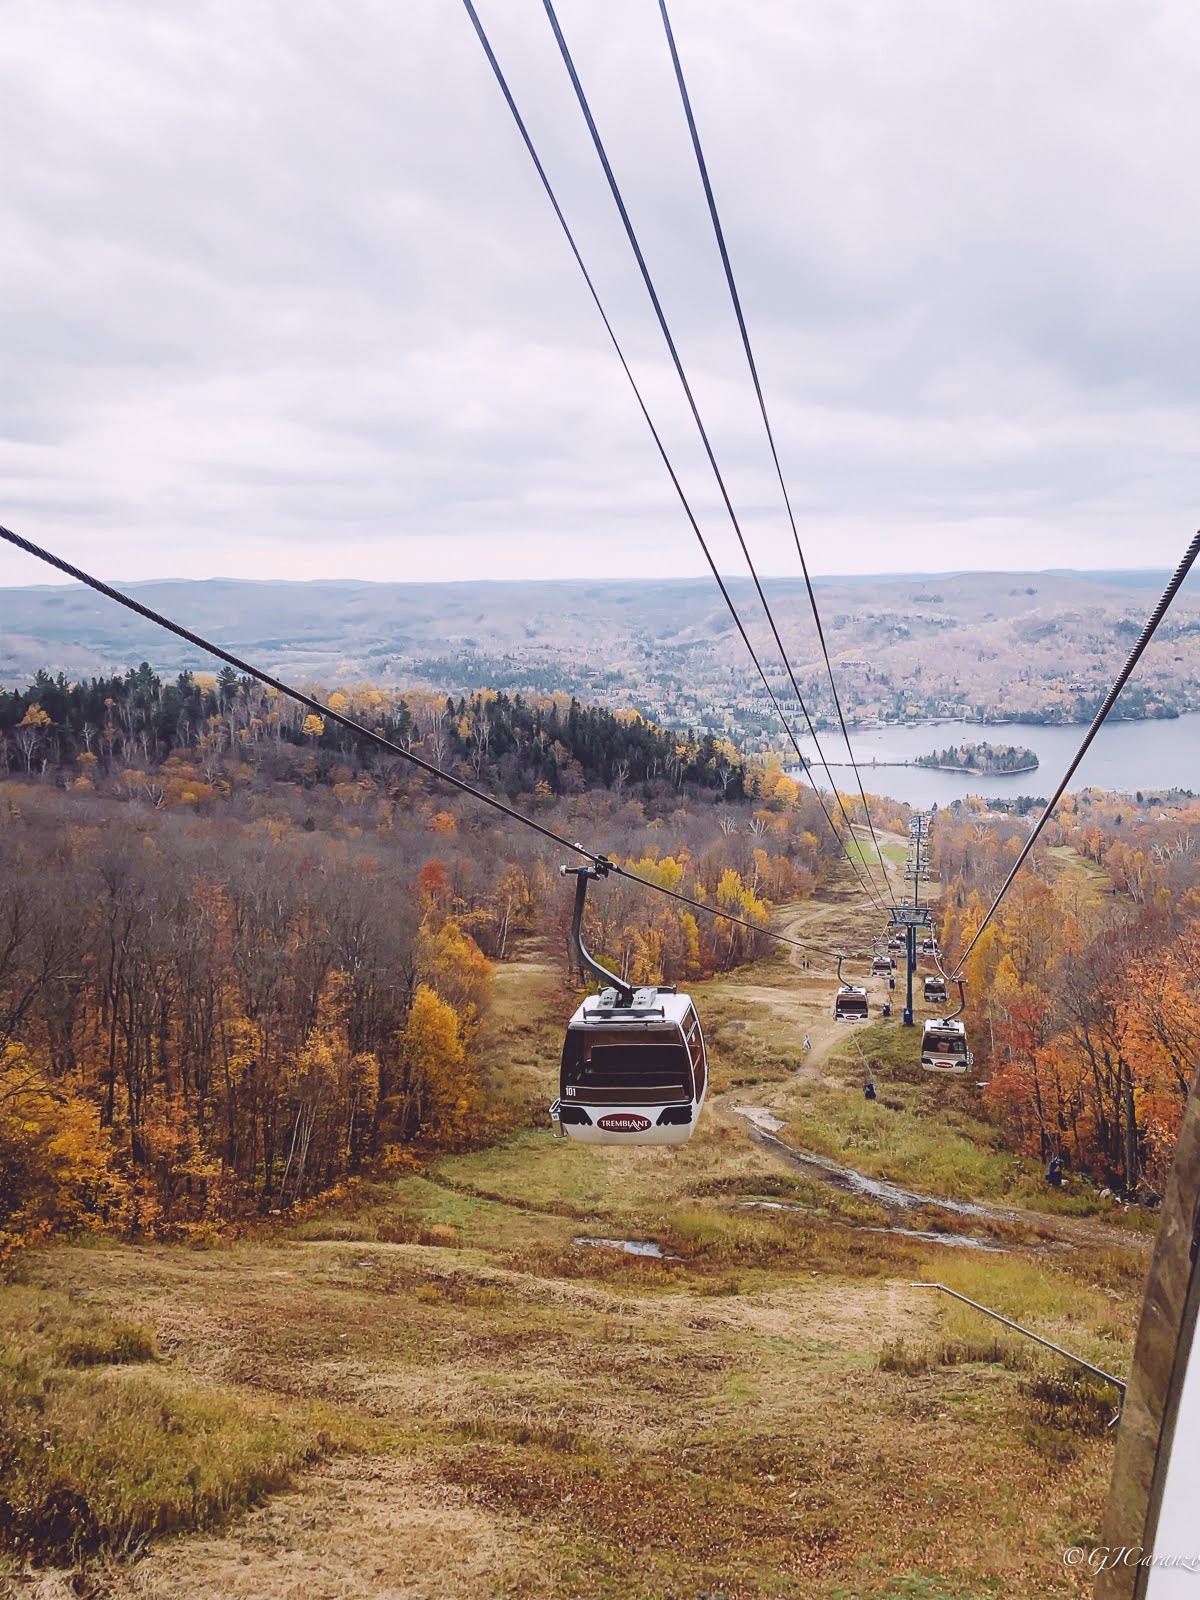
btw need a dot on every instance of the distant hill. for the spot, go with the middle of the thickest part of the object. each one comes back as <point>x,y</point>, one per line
<point>979,644</point>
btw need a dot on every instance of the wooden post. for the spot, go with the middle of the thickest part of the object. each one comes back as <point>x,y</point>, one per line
<point>1160,1361</point>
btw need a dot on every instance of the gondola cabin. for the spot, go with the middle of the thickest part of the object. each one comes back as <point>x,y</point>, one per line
<point>944,1046</point>
<point>935,991</point>
<point>882,965</point>
<point>850,1004</point>
<point>895,943</point>
<point>632,1074</point>
<point>929,947</point>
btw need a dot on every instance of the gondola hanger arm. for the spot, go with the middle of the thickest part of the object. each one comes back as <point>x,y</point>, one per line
<point>599,868</point>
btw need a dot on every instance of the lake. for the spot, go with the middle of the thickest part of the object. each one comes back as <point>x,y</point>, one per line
<point>1126,755</point>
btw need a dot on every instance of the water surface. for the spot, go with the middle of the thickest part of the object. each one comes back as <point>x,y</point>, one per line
<point>1126,756</point>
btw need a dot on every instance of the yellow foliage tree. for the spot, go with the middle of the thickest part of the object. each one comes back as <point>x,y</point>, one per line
<point>56,1166</point>
<point>458,970</point>
<point>443,1088</point>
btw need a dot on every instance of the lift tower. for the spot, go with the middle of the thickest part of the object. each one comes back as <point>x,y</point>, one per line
<point>910,914</point>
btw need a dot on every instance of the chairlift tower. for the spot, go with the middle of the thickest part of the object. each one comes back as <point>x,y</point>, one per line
<point>911,914</point>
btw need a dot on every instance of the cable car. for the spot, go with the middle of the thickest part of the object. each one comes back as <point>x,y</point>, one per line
<point>936,993</point>
<point>944,1046</point>
<point>632,1073</point>
<point>884,965</point>
<point>929,946</point>
<point>850,1002</point>
<point>944,1040</point>
<point>634,1069</point>
<point>895,942</point>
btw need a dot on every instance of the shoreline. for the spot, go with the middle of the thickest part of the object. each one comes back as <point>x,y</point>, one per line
<point>928,766</point>
<point>968,772</point>
<point>872,726</point>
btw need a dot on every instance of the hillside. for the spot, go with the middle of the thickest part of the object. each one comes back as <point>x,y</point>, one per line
<point>1039,646</point>
<point>302,1296</point>
<point>458,1373</point>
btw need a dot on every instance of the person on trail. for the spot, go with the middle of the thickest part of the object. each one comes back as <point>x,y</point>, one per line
<point>1054,1172</point>
<point>807,1043</point>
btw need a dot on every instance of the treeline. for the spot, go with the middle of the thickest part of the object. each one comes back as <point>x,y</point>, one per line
<point>223,991</point>
<point>547,746</point>
<point>1083,1002</point>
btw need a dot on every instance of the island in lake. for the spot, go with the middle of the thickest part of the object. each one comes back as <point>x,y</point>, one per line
<point>981,759</point>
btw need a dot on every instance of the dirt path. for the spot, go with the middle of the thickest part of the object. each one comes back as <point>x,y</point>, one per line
<point>802,1003</point>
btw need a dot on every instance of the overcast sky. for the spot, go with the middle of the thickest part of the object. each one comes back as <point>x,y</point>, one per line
<point>281,295</point>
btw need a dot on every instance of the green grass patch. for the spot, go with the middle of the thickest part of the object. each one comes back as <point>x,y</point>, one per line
<point>926,1130</point>
<point>107,1344</point>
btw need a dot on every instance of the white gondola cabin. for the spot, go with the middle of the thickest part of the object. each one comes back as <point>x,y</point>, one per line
<point>634,1068</point>
<point>882,965</point>
<point>944,1046</point>
<point>632,1073</point>
<point>850,1004</point>
<point>936,993</point>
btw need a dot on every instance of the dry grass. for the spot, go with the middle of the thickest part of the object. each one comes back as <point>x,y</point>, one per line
<point>472,1405</point>
<point>100,1459</point>
<point>611,1423</point>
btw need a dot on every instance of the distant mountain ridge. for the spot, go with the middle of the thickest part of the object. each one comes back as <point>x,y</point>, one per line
<point>1039,643</point>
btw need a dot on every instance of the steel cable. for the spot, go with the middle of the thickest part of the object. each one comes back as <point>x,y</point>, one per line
<point>362,731</point>
<point>719,233</point>
<point>648,281</point>
<point>1110,699</point>
<point>867,887</point>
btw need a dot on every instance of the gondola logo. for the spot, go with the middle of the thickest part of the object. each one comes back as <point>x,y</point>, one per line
<point>624,1122</point>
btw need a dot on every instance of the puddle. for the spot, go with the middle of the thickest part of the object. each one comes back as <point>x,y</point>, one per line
<point>845,1178</point>
<point>631,1247</point>
<point>960,1241</point>
<point>766,1121</point>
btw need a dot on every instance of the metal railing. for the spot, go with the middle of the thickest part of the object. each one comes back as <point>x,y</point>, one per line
<point>1067,1355</point>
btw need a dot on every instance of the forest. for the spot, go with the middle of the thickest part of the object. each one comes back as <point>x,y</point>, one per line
<point>241,960</point>
<point>244,956</point>
<point>1082,993</point>
<point>546,745</point>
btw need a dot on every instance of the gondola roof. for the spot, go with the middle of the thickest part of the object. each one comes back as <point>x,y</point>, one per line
<point>648,1006</point>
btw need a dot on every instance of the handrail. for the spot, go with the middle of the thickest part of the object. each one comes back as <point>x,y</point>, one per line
<point>1117,1383</point>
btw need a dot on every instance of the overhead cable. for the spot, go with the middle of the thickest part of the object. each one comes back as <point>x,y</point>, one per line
<point>370,734</point>
<point>1110,699</point>
<point>868,887</point>
<point>648,281</point>
<point>719,233</point>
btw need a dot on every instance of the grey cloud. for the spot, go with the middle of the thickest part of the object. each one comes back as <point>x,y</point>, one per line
<point>279,285</point>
